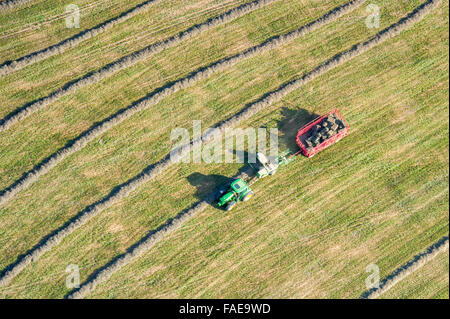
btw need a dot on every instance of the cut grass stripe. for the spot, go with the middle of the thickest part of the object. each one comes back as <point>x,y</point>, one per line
<point>143,245</point>
<point>153,170</point>
<point>159,94</point>
<point>405,270</point>
<point>11,4</point>
<point>127,61</point>
<point>22,62</point>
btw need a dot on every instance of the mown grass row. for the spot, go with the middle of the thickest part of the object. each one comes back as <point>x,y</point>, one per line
<point>96,130</point>
<point>405,270</point>
<point>143,245</point>
<point>153,237</point>
<point>11,4</point>
<point>127,61</point>
<point>22,62</point>
<point>429,282</point>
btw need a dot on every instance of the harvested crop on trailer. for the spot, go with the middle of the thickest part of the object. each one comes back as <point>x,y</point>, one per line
<point>327,128</point>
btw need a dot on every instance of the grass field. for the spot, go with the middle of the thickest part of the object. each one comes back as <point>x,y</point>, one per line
<point>378,196</point>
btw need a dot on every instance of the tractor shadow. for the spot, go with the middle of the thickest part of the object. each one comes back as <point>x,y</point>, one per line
<point>291,122</point>
<point>206,184</point>
<point>213,183</point>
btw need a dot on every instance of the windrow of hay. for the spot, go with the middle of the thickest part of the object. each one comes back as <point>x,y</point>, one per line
<point>127,61</point>
<point>156,96</point>
<point>143,245</point>
<point>411,266</point>
<point>153,170</point>
<point>22,62</point>
<point>11,4</point>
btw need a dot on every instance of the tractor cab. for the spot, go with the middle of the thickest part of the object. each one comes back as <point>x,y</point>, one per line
<point>238,186</point>
<point>239,191</point>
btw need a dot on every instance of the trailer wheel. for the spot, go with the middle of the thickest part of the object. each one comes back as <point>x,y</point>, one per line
<point>230,205</point>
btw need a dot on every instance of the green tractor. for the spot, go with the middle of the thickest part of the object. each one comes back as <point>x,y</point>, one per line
<point>239,192</point>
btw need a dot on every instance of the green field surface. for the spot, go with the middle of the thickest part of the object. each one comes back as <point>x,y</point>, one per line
<point>379,196</point>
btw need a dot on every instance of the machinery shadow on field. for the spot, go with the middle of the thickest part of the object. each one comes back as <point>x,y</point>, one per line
<point>205,184</point>
<point>289,125</point>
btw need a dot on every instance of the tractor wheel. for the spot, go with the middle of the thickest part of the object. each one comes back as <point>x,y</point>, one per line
<point>248,196</point>
<point>230,205</point>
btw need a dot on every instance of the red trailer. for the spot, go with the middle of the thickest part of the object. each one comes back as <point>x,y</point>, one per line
<point>321,133</point>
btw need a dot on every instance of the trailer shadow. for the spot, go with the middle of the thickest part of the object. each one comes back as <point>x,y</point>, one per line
<point>289,125</point>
